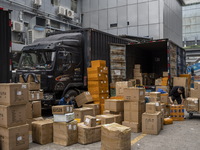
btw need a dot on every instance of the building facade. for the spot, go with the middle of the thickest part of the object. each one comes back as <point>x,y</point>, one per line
<point>147,18</point>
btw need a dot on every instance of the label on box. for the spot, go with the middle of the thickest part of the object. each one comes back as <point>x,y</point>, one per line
<point>24,86</point>
<point>157,104</point>
<point>32,95</point>
<point>19,92</point>
<point>97,106</point>
<point>87,120</point>
<point>99,75</point>
<point>70,127</point>
<point>87,93</point>
<point>19,138</point>
<point>71,109</point>
<point>38,96</point>
<point>196,101</point>
<point>67,109</point>
<point>74,127</point>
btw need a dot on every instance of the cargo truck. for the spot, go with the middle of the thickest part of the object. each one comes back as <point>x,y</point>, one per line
<point>62,60</point>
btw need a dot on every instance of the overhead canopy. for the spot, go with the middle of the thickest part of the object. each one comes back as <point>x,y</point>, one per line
<point>189,2</point>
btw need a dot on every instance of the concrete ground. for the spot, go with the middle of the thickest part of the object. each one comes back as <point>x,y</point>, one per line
<point>182,135</point>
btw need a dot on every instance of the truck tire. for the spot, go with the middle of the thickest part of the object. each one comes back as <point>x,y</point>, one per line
<point>72,94</point>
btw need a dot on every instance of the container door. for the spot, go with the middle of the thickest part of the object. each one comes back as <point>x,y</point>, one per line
<point>117,62</point>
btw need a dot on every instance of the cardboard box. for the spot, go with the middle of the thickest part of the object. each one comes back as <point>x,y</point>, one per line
<point>117,117</point>
<point>151,123</point>
<point>135,127</point>
<point>150,107</point>
<point>96,77</point>
<point>102,108</point>
<point>37,109</point>
<point>30,78</point>
<point>87,135</point>
<point>35,95</point>
<point>62,109</point>
<point>106,119</point>
<point>32,86</point>
<point>42,131</point>
<point>155,96</point>
<point>83,98</point>
<point>136,74</point>
<point>64,118</point>
<point>81,112</point>
<point>137,70</point>
<point>192,104</point>
<point>98,90</point>
<point>100,97</point>
<point>65,134</point>
<point>158,82</point>
<point>29,121</point>
<point>97,84</point>
<point>29,110</point>
<point>164,88</point>
<point>165,74</point>
<point>165,98</point>
<point>89,121</point>
<point>114,105</point>
<point>13,94</point>
<point>97,70</point>
<point>115,136</point>
<point>134,94</point>
<point>137,66</point>
<point>98,63</point>
<point>120,87</point>
<point>134,106</point>
<point>12,115</point>
<point>14,138</point>
<point>196,85</point>
<point>95,108</point>
<point>194,93</point>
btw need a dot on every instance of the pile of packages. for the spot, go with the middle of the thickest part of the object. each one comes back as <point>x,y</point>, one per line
<point>14,131</point>
<point>98,82</point>
<point>35,95</point>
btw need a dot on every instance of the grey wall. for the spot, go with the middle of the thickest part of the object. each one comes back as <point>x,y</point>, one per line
<point>145,17</point>
<point>47,10</point>
<point>191,24</point>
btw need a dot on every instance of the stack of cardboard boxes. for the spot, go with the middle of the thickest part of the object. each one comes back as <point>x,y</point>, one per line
<point>152,120</point>
<point>115,136</point>
<point>192,104</point>
<point>13,128</point>
<point>137,72</point>
<point>134,107</point>
<point>35,95</point>
<point>89,131</point>
<point>194,92</point>
<point>98,82</point>
<point>65,131</point>
<point>120,86</point>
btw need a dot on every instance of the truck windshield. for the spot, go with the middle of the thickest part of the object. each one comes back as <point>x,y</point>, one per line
<point>37,60</point>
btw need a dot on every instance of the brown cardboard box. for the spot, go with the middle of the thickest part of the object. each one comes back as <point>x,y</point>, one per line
<point>30,79</point>
<point>62,109</point>
<point>98,63</point>
<point>13,94</point>
<point>29,121</point>
<point>137,70</point>
<point>117,117</point>
<point>135,127</point>
<point>165,98</point>
<point>12,115</point>
<point>35,95</point>
<point>120,87</point>
<point>115,136</point>
<point>165,74</point>
<point>180,81</point>
<point>95,107</point>
<point>194,93</point>
<point>29,110</point>
<point>158,82</point>
<point>134,94</point>
<point>150,107</point>
<point>164,88</point>
<point>90,121</point>
<point>42,131</point>
<point>132,116</point>
<point>151,123</point>
<point>155,96</point>
<point>97,70</point>
<point>136,74</point>
<point>83,98</point>
<point>32,86</point>
<point>87,135</point>
<point>192,104</point>
<point>81,112</point>
<point>196,85</point>
<point>140,80</point>
<point>37,109</point>
<point>137,66</point>
<point>65,134</point>
<point>97,84</point>
<point>14,138</point>
<point>106,119</point>
<point>114,105</point>
<point>98,90</point>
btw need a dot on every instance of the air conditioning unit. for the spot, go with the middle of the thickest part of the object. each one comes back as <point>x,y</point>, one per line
<point>70,13</point>
<point>35,34</point>
<point>61,11</point>
<point>37,2</point>
<point>18,26</point>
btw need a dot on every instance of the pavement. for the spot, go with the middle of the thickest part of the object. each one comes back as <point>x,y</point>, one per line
<point>181,135</point>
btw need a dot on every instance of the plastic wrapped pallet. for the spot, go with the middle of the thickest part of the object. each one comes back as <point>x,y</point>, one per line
<point>115,137</point>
